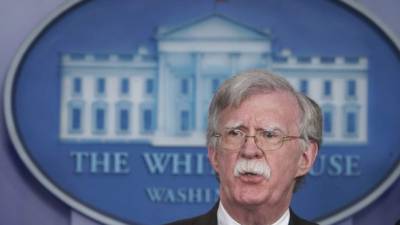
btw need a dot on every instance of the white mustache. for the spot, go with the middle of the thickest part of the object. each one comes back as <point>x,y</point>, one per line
<point>252,166</point>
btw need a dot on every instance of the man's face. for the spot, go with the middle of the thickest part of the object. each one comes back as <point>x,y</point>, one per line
<point>277,111</point>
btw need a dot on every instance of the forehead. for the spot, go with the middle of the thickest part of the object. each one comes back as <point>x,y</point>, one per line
<point>278,108</point>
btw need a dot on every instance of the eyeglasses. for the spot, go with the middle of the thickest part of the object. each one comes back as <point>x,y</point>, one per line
<point>266,140</point>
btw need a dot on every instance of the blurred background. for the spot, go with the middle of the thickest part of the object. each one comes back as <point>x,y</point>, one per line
<point>23,200</point>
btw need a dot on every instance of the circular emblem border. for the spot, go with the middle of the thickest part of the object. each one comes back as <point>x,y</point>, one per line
<point>92,213</point>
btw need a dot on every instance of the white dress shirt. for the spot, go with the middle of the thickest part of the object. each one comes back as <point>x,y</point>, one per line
<point>225,219</point>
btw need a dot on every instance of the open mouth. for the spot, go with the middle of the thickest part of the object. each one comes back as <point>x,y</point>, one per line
<point>249,174</point>
<point>251,177</point>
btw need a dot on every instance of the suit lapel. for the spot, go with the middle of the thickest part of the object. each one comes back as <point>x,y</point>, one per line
<point>210,218</point>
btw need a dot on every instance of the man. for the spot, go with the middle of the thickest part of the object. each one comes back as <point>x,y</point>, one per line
<point>263,138</point>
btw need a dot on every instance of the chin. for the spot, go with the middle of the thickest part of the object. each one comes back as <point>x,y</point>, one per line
<point>252,196</point>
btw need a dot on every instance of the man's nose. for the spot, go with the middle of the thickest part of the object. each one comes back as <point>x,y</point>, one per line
<point>250,149</point>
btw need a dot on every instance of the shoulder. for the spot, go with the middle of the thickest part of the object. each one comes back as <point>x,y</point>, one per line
<point>184,222</point>
<point>189,221</point>
<point>296,220</point>
<point>210,218</point>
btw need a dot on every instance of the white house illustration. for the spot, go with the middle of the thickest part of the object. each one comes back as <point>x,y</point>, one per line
<point>162,98</point>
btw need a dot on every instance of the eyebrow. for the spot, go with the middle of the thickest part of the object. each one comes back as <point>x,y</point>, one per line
<point>234,125</point>
<point>240,126</point>
<point>271,129</point>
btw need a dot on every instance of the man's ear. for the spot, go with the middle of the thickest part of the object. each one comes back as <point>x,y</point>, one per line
<point>212,157</point>
<point>307,159</point>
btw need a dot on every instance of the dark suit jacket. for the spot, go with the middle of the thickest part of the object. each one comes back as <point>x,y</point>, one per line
<point>210,218</point>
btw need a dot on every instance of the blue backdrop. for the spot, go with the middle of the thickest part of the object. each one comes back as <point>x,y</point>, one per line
<point>18,180</point>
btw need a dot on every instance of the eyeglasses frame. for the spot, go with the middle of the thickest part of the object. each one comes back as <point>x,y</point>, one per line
<point>284,139</point>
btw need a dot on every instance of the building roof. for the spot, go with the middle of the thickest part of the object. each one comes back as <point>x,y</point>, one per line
<point>212,27</point>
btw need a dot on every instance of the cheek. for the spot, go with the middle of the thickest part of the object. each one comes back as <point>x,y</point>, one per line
<point>284,165</point>
<point>226,164</point>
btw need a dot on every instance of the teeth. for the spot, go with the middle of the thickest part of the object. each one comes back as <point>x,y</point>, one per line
<point>247,173</point>
<point>250,174</point>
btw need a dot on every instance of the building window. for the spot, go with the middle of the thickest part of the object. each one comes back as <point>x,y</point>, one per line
<point>77,86</point>
<point>99,115</point>
<point>351,123</point>
<point>149,86</point>
<point>351,113</point>
<point>148,120</point>
<point>123,117</point>
<point>100,119</point>
<point>214,85</point>
<point>328,118</point>
<point>327,88</point>
<point>124,120</point>
<point>328,122</point>
<point>124,86</point>
<point>101,86</point>
<point>184,86</point>
<point>184,121</point>
<point>75,109</point>
<point>76,118</point>
<point>351,88</point>
<point>304,86</point>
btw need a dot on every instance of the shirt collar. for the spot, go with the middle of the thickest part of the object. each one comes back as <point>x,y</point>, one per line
<point>225,219</point>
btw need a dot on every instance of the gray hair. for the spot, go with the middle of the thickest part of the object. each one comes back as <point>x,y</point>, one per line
<point>240,87</point>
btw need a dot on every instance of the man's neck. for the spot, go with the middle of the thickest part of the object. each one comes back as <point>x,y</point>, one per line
<point>255,215</point>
